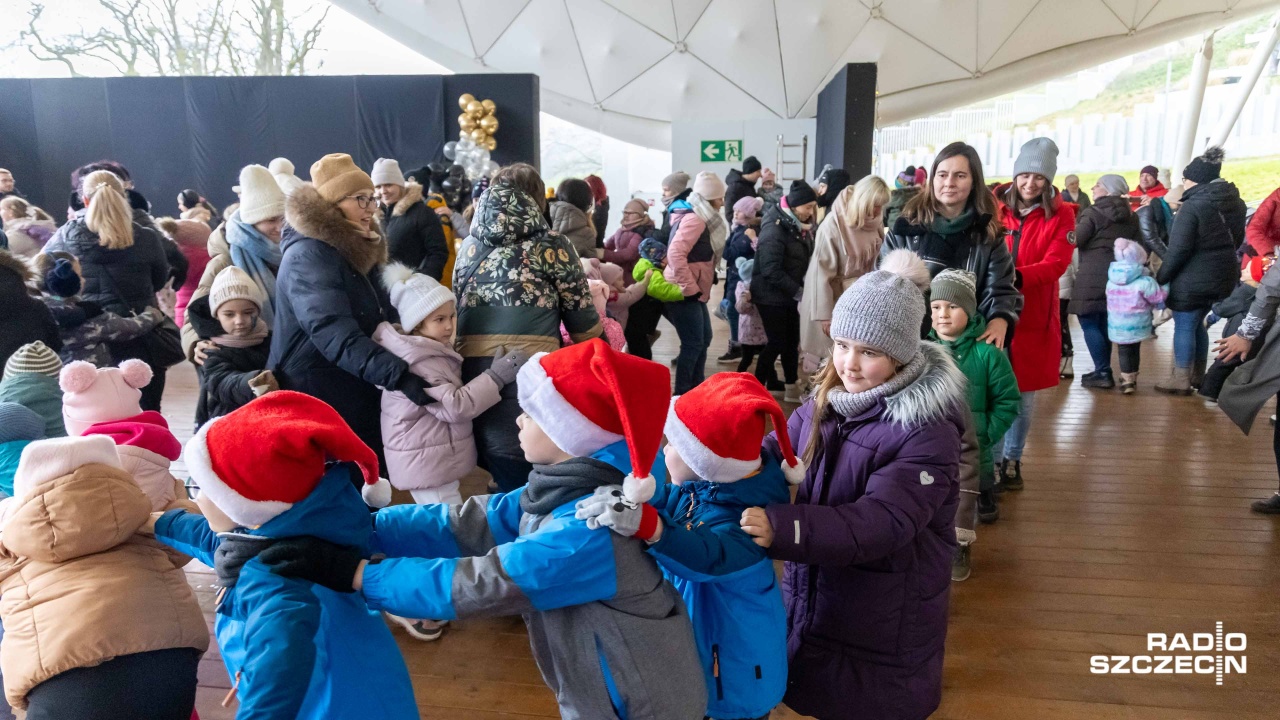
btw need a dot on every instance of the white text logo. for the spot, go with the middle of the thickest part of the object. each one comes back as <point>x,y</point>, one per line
<point>1216,653</point>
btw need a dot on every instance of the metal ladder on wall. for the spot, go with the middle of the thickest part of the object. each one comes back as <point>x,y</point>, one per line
<point>783,162</point>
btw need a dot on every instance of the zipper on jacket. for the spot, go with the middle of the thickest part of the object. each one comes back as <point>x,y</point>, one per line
<point>231,694</point>
<point>715,671</point>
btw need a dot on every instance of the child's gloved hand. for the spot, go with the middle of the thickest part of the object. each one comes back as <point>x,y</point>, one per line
<point>1210,319</point>
<point>608,507</point>
<point>318,561</point>
<point>263,383</point>
<point>507,366</point>
<point>414,388</point>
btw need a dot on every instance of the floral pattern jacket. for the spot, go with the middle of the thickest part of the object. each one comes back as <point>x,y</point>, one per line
<point>516,281</point>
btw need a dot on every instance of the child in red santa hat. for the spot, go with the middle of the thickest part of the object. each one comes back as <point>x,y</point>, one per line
<point>714,436</point>
<point>610,635</point>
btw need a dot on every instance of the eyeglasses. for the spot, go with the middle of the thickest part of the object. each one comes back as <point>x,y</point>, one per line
<point>364,201</point>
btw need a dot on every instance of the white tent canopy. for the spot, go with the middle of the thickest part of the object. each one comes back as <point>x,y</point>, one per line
<point>629,68</point>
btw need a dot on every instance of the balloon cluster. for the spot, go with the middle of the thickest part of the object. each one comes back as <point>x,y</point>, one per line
<point>475,140</point>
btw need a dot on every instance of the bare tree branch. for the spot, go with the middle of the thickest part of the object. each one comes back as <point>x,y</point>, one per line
<point>166,37</point>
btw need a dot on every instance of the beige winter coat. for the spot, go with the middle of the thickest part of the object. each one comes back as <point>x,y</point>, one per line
<point>79,586</point>
<point>841,254</point>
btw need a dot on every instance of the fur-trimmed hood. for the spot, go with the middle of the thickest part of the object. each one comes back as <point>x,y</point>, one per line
<point>412,196</point>
<point>933,396</point>
<point>310,214</point>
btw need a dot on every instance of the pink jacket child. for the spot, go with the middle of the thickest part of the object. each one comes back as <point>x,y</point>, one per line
<point>430,448</point>
<point>600,294</point>
<point>106,402</point>
<point>622,295</point>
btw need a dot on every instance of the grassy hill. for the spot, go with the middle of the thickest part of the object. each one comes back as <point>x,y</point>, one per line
<point>1256,177</point>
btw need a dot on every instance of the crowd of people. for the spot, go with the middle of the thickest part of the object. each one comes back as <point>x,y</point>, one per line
<point>365,330</point>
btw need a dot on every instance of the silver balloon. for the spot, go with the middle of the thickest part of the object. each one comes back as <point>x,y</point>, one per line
<point>465,145</point>
<point>481,154</point>
<point>450,149</point>
<point>488,168</point>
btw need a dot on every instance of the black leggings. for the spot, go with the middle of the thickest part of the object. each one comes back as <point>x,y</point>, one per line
<point>1068,347</point>
<point>782,327</point>
<point>156,685</point>
<point>642,321</point>
<point>1130,357</point>
<point>749,353</point>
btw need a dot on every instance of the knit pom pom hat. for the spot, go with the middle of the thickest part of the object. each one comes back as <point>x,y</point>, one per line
<point>414,295</point>
<point>1206,168</point>
<point>588,396</point>
<point>885,307</point>
<point>91,395</point>
<point>718,428</point>
<point>1130,251</point>
<point>257,461</point>
<point>282,170</point>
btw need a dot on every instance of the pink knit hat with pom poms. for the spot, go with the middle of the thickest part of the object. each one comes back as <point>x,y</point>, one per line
<point>92,395</point>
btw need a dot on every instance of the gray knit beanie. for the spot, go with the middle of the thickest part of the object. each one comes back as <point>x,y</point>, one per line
<point>1114,184</point>
<point>957,287</point>
<point>884,308</point>
<point>1038,155</point>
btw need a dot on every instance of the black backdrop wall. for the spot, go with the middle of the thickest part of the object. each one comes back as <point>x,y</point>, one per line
<point>197,132</point>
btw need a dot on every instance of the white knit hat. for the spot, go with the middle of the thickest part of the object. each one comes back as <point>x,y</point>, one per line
<point>260,195</point>
<point>709,186</point>
<point>282,169</point>
<point>415,296</point>
<point>233,284</point>
<point>387,172</point>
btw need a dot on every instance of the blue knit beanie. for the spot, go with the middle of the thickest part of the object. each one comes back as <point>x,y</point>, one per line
<point>62,280</point>
<point>17,422</point>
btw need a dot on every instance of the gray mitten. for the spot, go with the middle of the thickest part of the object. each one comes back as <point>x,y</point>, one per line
<point>608,507</point>
<point>506,367</point>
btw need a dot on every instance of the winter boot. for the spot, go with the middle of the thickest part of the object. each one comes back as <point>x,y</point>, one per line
<point>1099,379</point>
<point>961,563</point>
<point>732,357</point>
<point>793,394</point>
<point>1179,383</point>
<point>1197,371</point>
<point>1011,474</point>
<point>988,508</point>
<point>1270,506</point>
<point>1066,369</point>
<point>1128,383</point>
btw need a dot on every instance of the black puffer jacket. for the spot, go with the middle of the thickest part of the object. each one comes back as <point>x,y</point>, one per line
<point>1200,266</point>
<point>782,258</point>
<point>736,188</point>
<point>25,318</point>
<point>1097,228</point>
<point>415,237</point>
<point>123,281</point>
<point>225,375</point>
<point>327,308</point>
<point>990,262</point>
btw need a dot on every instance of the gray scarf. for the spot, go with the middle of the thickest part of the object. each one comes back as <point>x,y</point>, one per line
<point>551,486</point>
<point>851,404</point>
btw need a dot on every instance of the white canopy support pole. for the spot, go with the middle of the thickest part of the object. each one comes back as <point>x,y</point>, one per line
<point>1195,100</point>
<point>1248,81</point>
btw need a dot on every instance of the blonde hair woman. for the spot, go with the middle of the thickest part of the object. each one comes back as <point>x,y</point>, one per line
<point>123,265</point>
<point>845,248</point>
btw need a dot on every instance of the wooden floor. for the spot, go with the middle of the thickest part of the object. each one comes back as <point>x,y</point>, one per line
<point>1135,519</point>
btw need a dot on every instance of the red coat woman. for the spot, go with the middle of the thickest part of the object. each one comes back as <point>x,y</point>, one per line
<point>1041,252</point>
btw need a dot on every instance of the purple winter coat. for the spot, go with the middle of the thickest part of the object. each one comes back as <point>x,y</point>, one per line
<point>868,547</point>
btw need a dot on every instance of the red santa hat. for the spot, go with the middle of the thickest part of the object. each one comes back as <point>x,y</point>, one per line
<point>588,396</point>
<point>256,462</point>
<point>718,428</point>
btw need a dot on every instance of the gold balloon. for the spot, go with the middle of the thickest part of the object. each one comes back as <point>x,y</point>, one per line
<point>478,136</point>
<point>489,106</point>
<point>475,109</point>
<point>466,122</point>
<point>489,124</point>
<point>490,144</point>
<point>465,100</point>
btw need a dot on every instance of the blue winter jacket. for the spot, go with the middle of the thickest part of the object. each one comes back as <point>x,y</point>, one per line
<point>729,586</point>
<point>611,637</point>
<point>292,648</point>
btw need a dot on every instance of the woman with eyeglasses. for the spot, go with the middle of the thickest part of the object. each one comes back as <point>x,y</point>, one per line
<point>327,304</point>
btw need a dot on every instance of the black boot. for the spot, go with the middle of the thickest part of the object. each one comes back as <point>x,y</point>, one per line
<point>988,508</point>
<point>1099,379</point>
<point>1270,506</point>
<point>1011,474</point>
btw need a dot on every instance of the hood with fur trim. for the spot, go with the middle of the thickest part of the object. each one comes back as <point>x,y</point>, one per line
<point>933,396</point>
<point>412,196</point>
<point>311,215</point>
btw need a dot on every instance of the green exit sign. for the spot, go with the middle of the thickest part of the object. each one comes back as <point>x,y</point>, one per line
<point>721,150</point>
